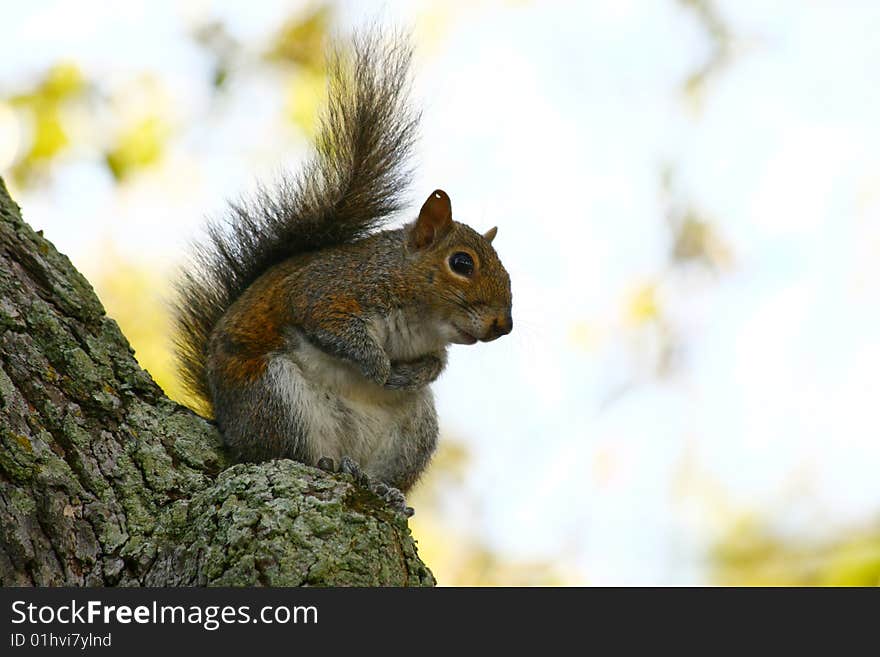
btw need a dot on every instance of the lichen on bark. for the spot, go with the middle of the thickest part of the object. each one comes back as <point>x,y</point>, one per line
<point>105,481</point>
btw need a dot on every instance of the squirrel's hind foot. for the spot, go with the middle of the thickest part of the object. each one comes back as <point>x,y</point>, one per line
<point>392,496</point>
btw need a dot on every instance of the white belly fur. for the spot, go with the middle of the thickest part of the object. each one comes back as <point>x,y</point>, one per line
<point>341,412</point>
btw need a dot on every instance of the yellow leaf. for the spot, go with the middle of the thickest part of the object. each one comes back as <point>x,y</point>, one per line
<point>139,146</point>
<point>642,306</point>
<point>304,97</point>
<point>300,40</point>
<point>63,80</point>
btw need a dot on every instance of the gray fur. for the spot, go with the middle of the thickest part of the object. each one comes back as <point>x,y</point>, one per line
<point>310,405</point>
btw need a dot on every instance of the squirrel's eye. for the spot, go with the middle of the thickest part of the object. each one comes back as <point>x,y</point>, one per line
<point>461,263</point>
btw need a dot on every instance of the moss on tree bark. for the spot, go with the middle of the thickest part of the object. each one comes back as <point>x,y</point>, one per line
<point>105,481</point>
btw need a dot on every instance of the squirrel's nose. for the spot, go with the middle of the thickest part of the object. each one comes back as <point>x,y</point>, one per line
<point>500,326</point>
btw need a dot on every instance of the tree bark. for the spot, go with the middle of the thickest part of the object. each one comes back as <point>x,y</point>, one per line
<point>105,481</point>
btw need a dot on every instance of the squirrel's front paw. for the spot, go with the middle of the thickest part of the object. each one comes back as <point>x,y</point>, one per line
<point>411,375</point>
<point>377,370</point>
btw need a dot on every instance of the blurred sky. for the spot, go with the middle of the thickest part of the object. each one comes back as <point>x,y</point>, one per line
<point>555,121</point>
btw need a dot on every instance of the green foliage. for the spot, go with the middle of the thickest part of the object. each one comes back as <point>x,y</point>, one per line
<point>298,50</point>
<point>137,147</point>
<point>302,39</point>
<point>751,552</point>
<point>133,295</point>
<point>721,47</point>
<point>65,109</point>
<point>223,48</point>
<point>43,108</point>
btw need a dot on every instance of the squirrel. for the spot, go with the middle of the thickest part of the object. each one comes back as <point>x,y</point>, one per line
<point>312,334</point>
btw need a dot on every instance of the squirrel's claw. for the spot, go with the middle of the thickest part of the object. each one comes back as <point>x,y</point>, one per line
<point>392,496</point>
<point>350,467</point>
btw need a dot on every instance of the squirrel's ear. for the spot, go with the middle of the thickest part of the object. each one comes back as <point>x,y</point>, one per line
<point>435,220</point>
<point>490,234</point>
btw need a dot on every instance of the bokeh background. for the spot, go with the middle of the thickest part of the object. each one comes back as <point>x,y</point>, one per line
<point>688,196</point>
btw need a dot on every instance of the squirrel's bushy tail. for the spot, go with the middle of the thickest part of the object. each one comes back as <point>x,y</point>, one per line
<point>354,180</point>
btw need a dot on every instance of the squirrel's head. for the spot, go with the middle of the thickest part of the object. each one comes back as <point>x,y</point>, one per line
<point>469,289</point>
